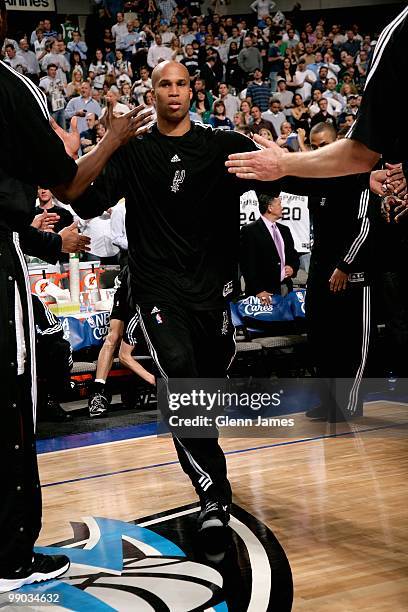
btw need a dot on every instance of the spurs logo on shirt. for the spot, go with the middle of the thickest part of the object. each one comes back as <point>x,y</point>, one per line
<point>178,179</point>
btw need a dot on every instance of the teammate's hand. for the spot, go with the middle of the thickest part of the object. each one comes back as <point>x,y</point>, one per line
<point>257,165</point>
<point>385,209</point>
<point>72,241</point>
<point>378,182</point>
<point>124,127</point>
<point>401,211</point>
<point>288,271</point>
<point>396,182</point>
<point>265,297</point>
<point>338,281</point>
<point>45,221</point>
<point>70,139</point>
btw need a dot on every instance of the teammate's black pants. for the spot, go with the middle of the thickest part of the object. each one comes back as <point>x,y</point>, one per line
<point>20,493</point>
<point>193,344</point>
<point>339,331</point>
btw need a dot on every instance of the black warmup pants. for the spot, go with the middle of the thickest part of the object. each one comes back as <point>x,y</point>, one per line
<point>193,344</point>
<point>20,496</point>
<point>339,332</point>
<point>395,299</point>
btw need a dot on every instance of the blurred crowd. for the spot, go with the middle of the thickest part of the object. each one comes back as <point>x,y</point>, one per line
<point>267,74</point>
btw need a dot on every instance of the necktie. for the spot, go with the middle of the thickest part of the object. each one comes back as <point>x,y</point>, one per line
<point>280,247</point>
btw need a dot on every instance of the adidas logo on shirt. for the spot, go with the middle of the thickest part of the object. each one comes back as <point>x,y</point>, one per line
<point>175,159</point>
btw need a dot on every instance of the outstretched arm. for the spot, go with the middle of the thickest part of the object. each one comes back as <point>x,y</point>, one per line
<point>338,159</point>
<point>119,131</point>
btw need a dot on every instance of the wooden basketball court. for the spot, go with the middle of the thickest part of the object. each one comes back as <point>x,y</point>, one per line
<point>335,497</point>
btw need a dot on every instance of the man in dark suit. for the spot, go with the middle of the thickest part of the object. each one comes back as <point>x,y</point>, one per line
<point>268,257</point>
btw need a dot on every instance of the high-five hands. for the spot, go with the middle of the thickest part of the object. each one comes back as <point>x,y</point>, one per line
<point>262,165</point>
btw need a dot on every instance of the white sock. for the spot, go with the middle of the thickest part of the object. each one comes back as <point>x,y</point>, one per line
<point>100,380</point>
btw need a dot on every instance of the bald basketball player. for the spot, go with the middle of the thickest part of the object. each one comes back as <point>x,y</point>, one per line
<point>182,223</point>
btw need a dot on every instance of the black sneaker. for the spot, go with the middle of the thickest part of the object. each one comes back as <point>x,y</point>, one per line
<point>98,405</point>
<point>213,529</point>
<point>319,412</point>
<point>55,412</point>
<point>43,567</point>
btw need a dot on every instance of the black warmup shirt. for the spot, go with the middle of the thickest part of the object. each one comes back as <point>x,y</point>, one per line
<point>388,68</point>
<point>182,213</point>
<point>340,211</point>
<point>31,153</point>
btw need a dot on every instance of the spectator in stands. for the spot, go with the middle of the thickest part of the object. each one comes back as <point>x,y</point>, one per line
<point>158,52</point>
<point>300,115</point>
<point>79,107</point>
<point>219,119</point>
<point>150,104</point>
<point>190,61</point>
<point>53,56</point>
<point>268,259</point>
<point>275,60</point>
<point>112,98</point>
<point>99,69</point>
<point>18,62</point>
<point>39,44</point>
<point>304,79</point>
<point>332,94</point>
<point>78,45</point>
<point>323,116</point>
<point>77,63</point>
<point>231,102</point>
<point>73,88</point>
<point>46,201</point>
<point>321,81</point>
<point>48,30</point>
<point>167,9</point>
<point>127,44</point>
<point>249,58</point>
<point>351,45</point>
<point>207,73</point>
<point>201,106</point>
<point>258,123</point>
<point>143,85</point>
<point>263,9</point>
<point>122,69</point>
<point>119,30</point>
<point>233,73</point>
<point>288,74</point>
<point>239,121</point>
<point>54,89</point>
<point>333,107</point>
<point>88,137</point>
<point>258,91</point>
<point>125,94</point>
<point>274,115</point>
<point>29,60</point>
<point>284,96</point>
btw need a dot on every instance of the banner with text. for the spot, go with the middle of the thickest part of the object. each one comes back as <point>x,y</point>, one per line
<point>31,5</point>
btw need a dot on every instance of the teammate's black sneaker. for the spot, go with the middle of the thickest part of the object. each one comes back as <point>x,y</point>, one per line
<point>43,567</point>
<point>213,528</point>
<point>55,412</point>
<point>319,412</point>
<point>98,405</point>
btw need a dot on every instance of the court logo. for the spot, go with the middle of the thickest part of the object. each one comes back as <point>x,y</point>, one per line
<point>155,563</point>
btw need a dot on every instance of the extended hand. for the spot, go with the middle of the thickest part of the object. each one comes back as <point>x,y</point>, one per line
<point>124,127</point>
<point>260,165</point>
<point>45,221</point>
<point>288,271</point>
<point>70,139</point>
<point>338,281</point>
<point>72,241</point>
<point>265,297</point>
